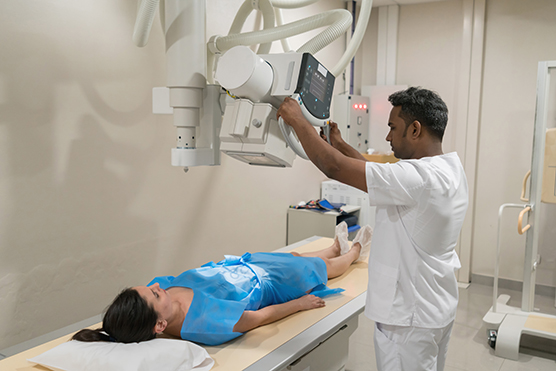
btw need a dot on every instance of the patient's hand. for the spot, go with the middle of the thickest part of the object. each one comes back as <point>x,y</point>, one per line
<point>310,302</point>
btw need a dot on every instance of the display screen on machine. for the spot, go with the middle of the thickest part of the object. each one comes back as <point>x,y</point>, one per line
<point>315,86</point>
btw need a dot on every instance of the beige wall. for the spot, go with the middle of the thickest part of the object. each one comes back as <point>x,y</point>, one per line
<point>433,65</point>
<point>365,59</point>
<point>89,202</point>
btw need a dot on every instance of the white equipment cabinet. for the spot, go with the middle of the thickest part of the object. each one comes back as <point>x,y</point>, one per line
<point>338,192</point>
<point>304,223</point>
<point>351,113</point>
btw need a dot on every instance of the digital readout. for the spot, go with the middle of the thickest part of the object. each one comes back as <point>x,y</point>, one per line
<point>318,85</point>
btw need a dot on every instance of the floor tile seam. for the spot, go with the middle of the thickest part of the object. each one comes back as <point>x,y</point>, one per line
<point>456,368</point>
<point>468,326</point>
<point>360,343</point>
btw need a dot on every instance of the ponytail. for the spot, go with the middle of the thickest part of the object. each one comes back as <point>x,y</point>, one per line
<point>89,335</point>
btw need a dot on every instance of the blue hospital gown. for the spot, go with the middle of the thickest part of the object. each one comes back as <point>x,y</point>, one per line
<point>223,291</point>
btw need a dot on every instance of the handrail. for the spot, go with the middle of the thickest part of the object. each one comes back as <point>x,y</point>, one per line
<point>497,265</point>
<point>524,187</point>
<point>520,221</point>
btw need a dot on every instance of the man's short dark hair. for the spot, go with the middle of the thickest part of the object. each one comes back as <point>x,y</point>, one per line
<point>424,106</point>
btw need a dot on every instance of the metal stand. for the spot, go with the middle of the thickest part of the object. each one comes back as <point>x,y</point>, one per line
<point>505,324</point>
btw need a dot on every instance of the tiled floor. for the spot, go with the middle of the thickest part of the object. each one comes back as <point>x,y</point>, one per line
<point>468,349</point>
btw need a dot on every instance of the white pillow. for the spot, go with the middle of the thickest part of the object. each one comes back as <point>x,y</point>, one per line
<point>156,355</point>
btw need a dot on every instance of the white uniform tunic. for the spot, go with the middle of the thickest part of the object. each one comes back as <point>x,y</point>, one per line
<point>421,205</point>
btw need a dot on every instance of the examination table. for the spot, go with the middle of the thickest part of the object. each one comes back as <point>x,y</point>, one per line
<point>315,339</point>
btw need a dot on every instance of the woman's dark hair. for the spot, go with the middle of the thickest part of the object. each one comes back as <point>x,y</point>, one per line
<point>129,319</point>
<point>424,106</point>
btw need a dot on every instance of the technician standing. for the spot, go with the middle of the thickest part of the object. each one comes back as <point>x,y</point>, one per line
<point>420,206</point>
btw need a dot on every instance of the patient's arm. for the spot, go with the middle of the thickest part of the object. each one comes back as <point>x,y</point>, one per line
<point>252,319</point>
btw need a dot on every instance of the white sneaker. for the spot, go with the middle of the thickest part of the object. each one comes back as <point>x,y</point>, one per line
<point>364,238</point>
<point>342,237</point>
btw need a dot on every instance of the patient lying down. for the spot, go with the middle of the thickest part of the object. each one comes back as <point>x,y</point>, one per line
<point>219,302</point>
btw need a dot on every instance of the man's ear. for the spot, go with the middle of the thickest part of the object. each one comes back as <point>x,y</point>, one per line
<point>415,129</point>
<point>160,326</point>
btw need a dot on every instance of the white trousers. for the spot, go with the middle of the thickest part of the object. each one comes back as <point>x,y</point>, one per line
<point>403,348</point>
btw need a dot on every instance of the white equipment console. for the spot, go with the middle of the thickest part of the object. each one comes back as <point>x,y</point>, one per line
<point>351,113</point>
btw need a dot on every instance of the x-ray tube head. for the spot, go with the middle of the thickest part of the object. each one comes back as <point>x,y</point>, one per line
<point>244,74</point>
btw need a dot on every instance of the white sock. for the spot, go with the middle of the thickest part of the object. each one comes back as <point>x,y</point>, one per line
<point>342,237</point>
<point>364,238</point>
